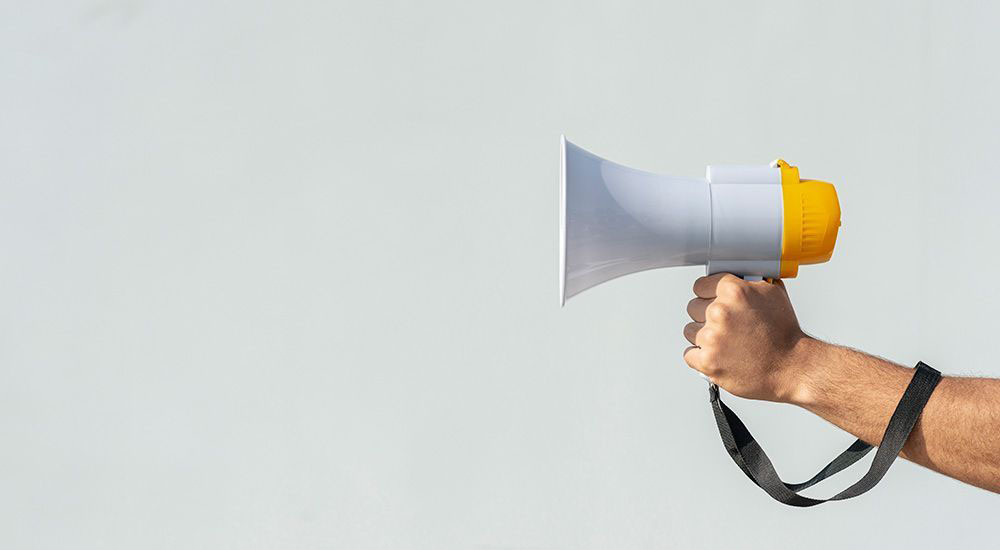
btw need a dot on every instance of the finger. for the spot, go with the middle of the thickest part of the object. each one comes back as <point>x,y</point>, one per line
<point>696,309</point>
<point>706,337</point>
<point>692,356</point>
<point>707,287</point>
<point>691,331</point>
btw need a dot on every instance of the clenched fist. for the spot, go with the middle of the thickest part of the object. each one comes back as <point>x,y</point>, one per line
<point>745,337</point>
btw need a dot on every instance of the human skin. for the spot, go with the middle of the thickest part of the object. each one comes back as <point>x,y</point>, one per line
<point>747,340</point>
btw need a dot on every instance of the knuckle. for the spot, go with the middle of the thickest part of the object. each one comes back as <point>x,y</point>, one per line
<point>710,364</point>
<point>718,312</point>
<point>726,288</point>
<point>743,291</point>
<point>733,287</point>
<point>708,338</point>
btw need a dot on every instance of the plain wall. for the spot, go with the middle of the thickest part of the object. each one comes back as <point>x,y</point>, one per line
<point>283,274</point>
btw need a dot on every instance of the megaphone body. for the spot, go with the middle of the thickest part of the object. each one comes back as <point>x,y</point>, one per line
<point>757,221</point>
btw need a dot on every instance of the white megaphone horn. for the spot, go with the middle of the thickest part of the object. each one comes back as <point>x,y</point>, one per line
<point>756,221</point>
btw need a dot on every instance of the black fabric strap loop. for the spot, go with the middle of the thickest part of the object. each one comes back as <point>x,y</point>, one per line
<point>750,457</point>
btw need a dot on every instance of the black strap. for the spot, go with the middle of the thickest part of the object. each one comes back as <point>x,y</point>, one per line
<point>749,456</point>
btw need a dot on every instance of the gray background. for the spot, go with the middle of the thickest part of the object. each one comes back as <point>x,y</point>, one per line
<point>283,275</point>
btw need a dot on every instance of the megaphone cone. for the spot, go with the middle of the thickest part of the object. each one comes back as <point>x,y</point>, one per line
<point>753,220</point>
<point>617,220</point>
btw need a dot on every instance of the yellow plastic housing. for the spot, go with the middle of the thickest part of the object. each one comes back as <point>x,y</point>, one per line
<point>811,220</point>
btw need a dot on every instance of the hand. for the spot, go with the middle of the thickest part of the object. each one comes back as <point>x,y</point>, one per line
<point>745,336</point>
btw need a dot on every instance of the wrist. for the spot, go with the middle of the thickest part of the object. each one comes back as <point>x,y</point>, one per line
<point>806,367</point>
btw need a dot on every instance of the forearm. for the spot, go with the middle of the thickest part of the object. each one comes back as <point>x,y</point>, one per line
<point>958,433</point>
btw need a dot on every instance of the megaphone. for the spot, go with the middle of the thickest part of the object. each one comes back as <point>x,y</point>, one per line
<point>756,221</point>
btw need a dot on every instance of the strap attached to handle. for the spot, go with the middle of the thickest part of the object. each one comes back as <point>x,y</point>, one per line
<point>748,455</point>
